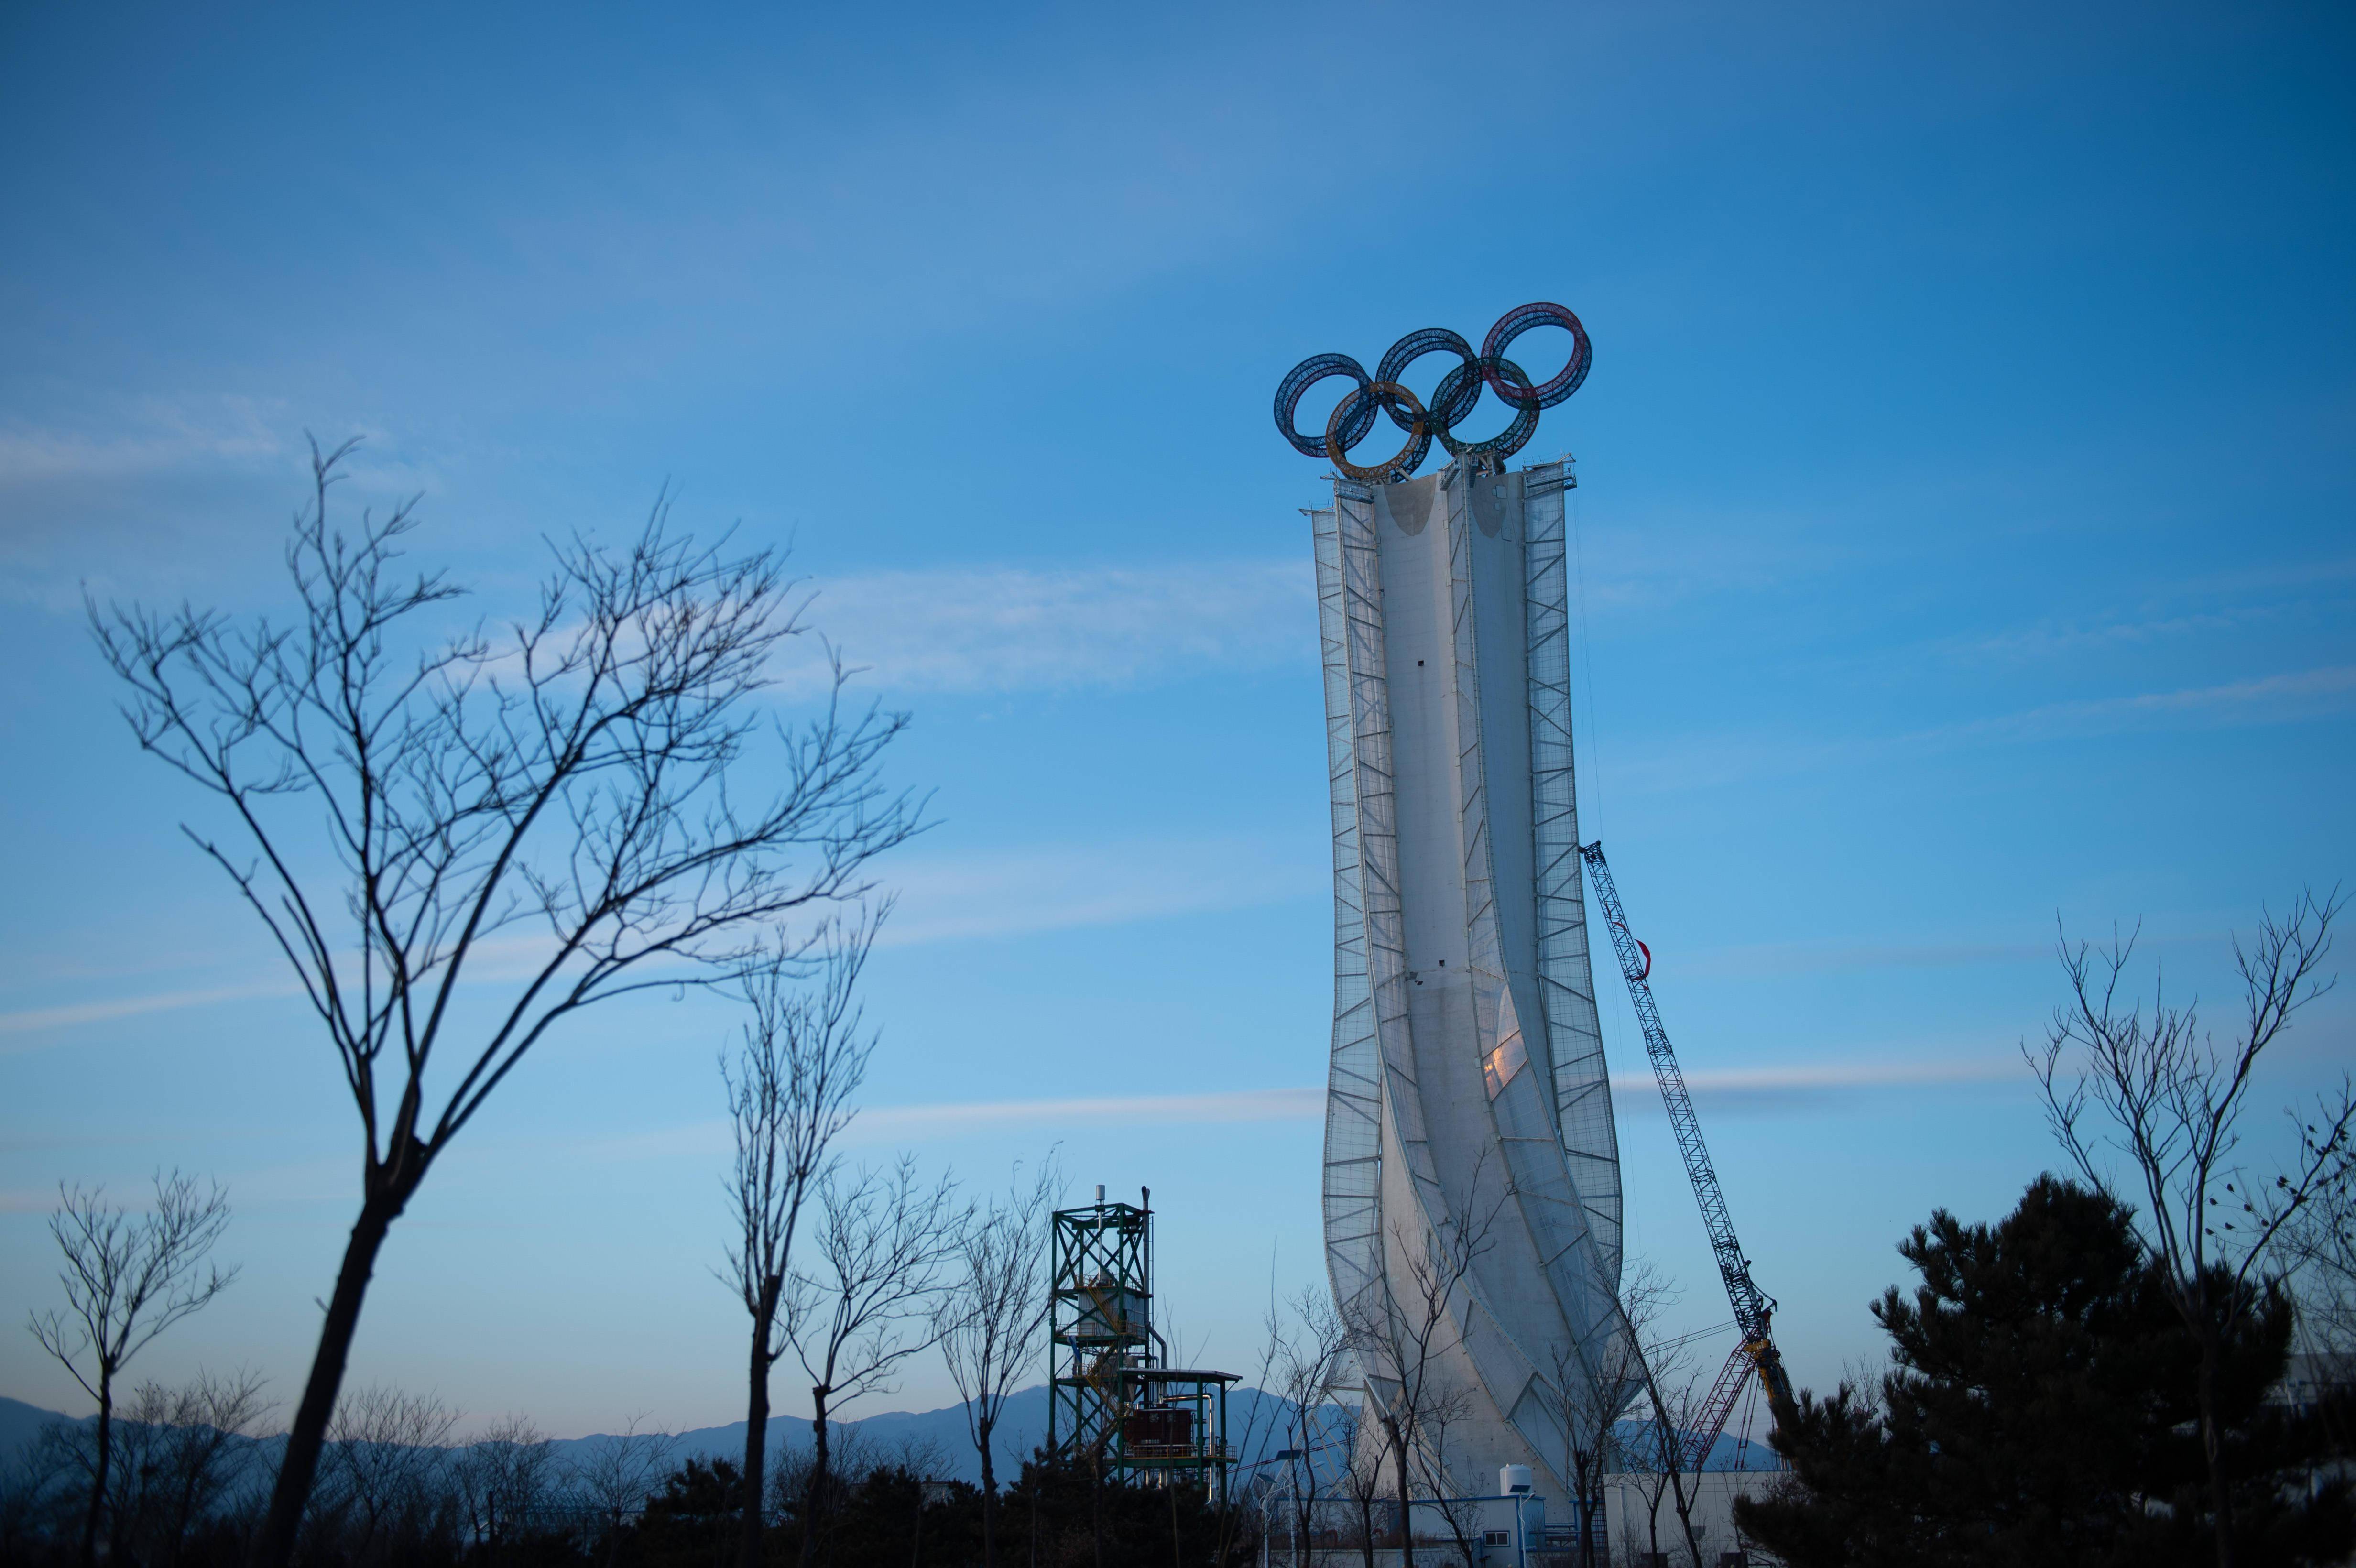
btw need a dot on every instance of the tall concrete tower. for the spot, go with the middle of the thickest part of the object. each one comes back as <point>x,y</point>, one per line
<point>1472,1186</point>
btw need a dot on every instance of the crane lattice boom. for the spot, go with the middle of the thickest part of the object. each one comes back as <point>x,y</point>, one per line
<point>1753,1308</point>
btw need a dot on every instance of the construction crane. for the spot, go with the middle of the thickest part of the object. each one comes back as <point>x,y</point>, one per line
<point>1754,1309</point>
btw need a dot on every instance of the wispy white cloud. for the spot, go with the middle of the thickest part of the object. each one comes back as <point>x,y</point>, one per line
<point>980,895</point>
<point>2288,698</point>
<point>1751,960</point>
<point>160,496</point>
<point>2294,694</point>
<point>998,629</point>
<point>151,435</point>
<point>1767,958</point>
<point>1797,1087</point>
<point>897,1125</point>
<point>24,1019</point>
<point>2057,638</point>
<point>1804,1077</point>
<point>1014,892</point>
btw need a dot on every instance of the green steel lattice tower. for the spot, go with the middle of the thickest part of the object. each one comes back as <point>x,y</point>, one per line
<point>1111,1402</point>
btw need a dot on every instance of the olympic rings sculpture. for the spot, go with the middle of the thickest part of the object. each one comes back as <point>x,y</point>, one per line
<point>1451,403</point>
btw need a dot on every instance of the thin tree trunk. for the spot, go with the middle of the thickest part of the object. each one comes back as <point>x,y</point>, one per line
<point>1406,1514</point>
<point>756,1428</point>
<point>1591,1503</point>
<point>1367,1527</point>
<point>2220,1495</point>
<point>1684,1516</point>
<point>183,1514</point>
<point>105,1462</point>
<point>989,1495</point>
<point>814,1507</point>
<point>274,1545</point>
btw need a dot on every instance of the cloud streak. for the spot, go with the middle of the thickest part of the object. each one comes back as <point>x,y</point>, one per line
<point>1016,892</point>
<point>995,629</point>
<point>26,1019</point>
<point>1763,1087</point>
<point>1753,1088</point>
<point>979,896</point>
<point>2290,697</point>
<point>156,434</point>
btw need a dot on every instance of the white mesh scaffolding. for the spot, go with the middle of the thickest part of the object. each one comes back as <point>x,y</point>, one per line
<point>1582,1086</point>
<point>1503,622</point>
<point>1353,1089</point>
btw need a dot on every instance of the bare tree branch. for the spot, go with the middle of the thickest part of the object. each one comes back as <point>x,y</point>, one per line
<point>884,1242</point>
<point>990,1318</point>
<point>803,1055</point>
<point>1399,1334</point>
<point>1590,1393</point>
<point>127,1278</point>
<point>2159,1094</point>
<point>540,807</point>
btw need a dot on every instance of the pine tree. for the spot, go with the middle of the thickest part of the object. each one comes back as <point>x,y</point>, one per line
<point>2041,1410</point>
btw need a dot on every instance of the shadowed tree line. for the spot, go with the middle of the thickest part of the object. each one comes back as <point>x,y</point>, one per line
<point>190,1483</point>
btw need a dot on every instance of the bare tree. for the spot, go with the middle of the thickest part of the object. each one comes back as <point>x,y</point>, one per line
<point>803,1055</point>
<point>1310,1362</point>
<point>1590,1393</point>
<point>617,1476</point>
<point>186,1448</point>
<point>504,1479</point>
<point>2321,1240</point>
<point>1677,1389</point>
<point>1448,1410</point>
<point>36,1479</point>
<point>385,1457</point>
<point>1361,1475</point>
<point>884,1241</point>
<point>127,1278</point>
<point>1238,1512</point>
<point>992,1316</point>
<point>2159,1093</point>
<point>552,793</point>
<point>1400,1333</point>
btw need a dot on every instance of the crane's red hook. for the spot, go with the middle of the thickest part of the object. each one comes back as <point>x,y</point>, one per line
<point>1641,948</point>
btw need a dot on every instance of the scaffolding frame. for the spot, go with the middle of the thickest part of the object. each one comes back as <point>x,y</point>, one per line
<point>1112,1404</point>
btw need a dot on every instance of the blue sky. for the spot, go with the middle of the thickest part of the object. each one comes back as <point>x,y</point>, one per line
<point>1963,534</point>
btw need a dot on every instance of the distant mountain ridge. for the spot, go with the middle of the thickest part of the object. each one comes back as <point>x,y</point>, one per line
<point>1255,1425</point>
<point>1021,1427</point>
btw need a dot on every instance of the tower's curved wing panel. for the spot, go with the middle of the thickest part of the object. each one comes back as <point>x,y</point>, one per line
<point>1468,1111</point>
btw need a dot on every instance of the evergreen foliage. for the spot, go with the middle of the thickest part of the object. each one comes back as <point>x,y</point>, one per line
<point>2041,1411</point>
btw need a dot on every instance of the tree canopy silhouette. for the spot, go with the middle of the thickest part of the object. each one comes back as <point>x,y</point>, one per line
<point>2042,1409</point>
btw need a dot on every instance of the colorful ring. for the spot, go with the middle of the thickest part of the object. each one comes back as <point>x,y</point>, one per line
<point>1520,319</point>
<point>1389,395</point>
<point>1489,368</point>
<point>1414,347</point>
<point>1452,401</point>
<point>1306,374</point>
